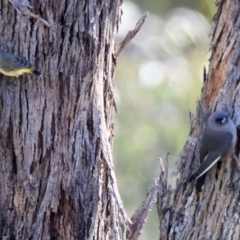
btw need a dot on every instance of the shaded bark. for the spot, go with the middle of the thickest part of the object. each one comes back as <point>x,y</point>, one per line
<point>57,179</point>
<point>213,213</point>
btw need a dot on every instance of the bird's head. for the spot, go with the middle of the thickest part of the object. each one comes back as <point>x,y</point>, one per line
<point>220,117</point>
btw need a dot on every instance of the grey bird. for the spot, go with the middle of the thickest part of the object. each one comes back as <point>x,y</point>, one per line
<point>217,143</point>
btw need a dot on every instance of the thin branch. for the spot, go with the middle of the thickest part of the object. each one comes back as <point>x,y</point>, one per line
<point>141,214</point>
<point>22,8</point>
<point>28,13</point>
<point>163,198</point>
<point>131,34</point>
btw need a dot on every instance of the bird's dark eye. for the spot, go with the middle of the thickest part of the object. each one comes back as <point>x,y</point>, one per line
<point>221,120</point>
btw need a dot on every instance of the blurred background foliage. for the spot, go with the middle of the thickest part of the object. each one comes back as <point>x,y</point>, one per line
<point>158,81</point>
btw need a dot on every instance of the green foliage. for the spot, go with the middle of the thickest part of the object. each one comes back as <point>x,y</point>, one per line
<point>158,81</point>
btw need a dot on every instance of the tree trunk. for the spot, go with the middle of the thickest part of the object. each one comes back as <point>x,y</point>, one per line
<point>214,212</point>
<point>56,171</point>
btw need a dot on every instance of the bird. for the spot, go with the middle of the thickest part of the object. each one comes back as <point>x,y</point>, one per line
<point>217,143</point>
<point>13,65</point>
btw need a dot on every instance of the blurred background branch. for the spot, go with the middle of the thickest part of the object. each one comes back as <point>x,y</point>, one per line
<point>131,34</point>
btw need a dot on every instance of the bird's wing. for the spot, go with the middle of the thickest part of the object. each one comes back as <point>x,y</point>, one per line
<point>21,62</point>
<point>212,157</point>
<point>11,62</point>
<point>208,162</point>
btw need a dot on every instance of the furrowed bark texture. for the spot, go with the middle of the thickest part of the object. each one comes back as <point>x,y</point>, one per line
<point>215,212</point>
<point>56,172</point>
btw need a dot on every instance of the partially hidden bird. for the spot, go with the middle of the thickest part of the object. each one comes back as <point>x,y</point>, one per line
<point>217,143</point>
<point>13,65</point>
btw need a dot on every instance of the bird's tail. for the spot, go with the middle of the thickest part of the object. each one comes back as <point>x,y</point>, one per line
<point>200,181</point>
<point>191,178</point>
<point>37,73</point>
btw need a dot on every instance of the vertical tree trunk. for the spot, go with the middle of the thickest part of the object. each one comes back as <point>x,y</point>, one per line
<point>56,131</point>
<point>213,213</point>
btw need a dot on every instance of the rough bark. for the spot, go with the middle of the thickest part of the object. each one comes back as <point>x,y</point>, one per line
<point>213,213</point>
<point>56,171</point>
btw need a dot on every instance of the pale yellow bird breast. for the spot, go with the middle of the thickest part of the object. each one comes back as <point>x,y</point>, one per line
<point>15,73</point>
